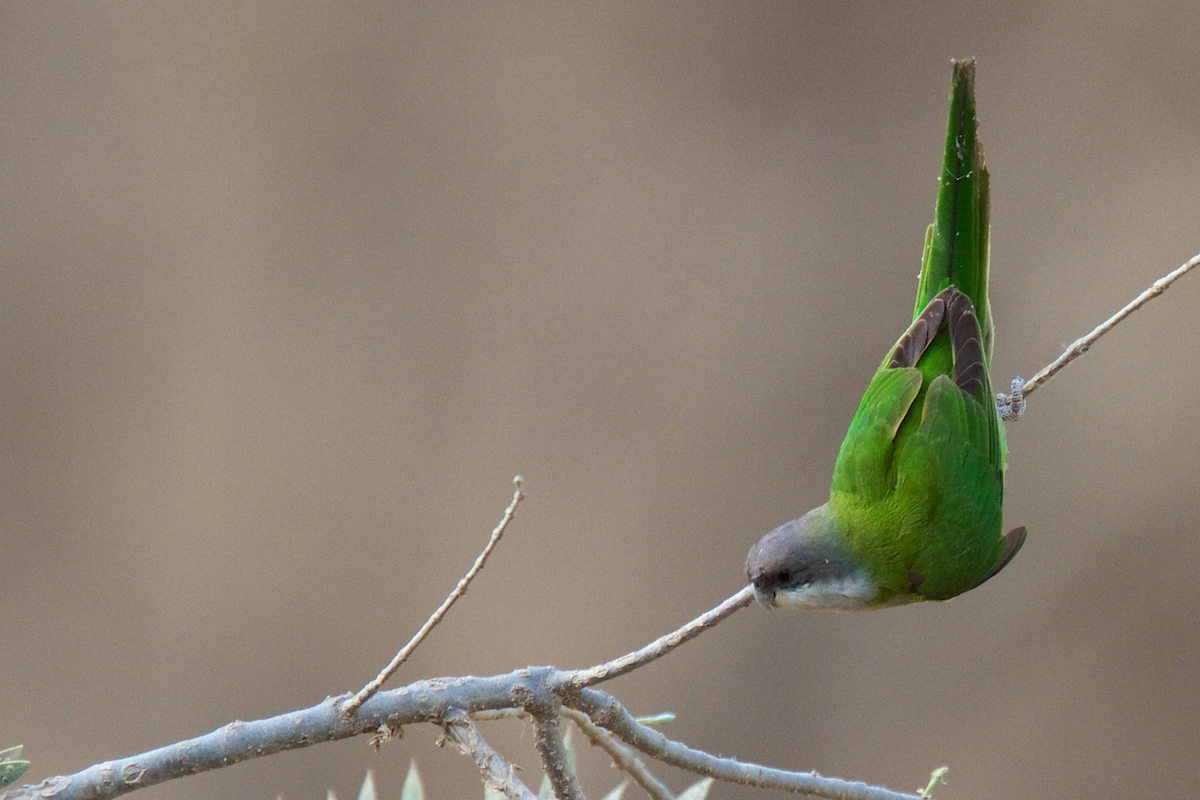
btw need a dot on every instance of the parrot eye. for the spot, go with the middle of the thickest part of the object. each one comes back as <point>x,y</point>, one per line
<point>791,578</point>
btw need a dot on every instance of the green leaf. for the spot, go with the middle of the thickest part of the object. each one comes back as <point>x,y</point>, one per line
<point>413,788</point>
<point>367,792</point>
<point>657,719</point>
<point>935,777</point>
<point>697,791</point>
<point>11,770</point>
<point>616,793</point>
<point>12,753</point>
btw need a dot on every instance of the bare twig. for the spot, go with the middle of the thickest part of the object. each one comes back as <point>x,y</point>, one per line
<point>605,711</point>
<point>364,694</point>
<point>497,773</point>
<point>621,755</point>
<point>661,646</point>
<point>1013,405</point>
<point>548,740</point>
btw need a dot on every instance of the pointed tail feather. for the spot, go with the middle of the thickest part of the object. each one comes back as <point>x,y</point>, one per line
<point>956,247</point>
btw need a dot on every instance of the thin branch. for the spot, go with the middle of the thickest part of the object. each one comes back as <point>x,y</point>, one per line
<point>661,646</point>
<point>371,688</point>
<point>1013,405</point>
<point>621,755</point>
<point>605,711</point>
<point>497,773</point>
<point>548,741</point>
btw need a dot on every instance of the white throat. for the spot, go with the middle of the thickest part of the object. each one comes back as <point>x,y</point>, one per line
<point>848,593</point>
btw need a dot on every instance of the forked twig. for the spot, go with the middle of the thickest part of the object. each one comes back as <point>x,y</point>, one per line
<point>353,704</point>
<point>1011,406</point>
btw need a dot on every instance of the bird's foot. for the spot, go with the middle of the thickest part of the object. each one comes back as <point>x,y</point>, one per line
<point>1012,406</point>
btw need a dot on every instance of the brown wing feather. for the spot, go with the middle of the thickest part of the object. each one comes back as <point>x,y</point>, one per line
<point>912,345</point>
<point>952,308</point>
<point>970,368</point>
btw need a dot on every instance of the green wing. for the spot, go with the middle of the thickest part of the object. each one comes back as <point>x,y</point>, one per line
<point>946,469</point>
<point>865,465</point>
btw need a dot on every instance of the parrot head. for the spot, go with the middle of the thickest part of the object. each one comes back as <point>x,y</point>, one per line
<point>807,563</point>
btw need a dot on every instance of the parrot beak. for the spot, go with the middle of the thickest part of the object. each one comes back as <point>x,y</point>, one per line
<point>766,598</point>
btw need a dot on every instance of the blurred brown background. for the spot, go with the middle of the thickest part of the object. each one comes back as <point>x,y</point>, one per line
<point>291,292</point>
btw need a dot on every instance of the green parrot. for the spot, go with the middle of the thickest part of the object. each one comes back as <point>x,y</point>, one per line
<point>914,505</point>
